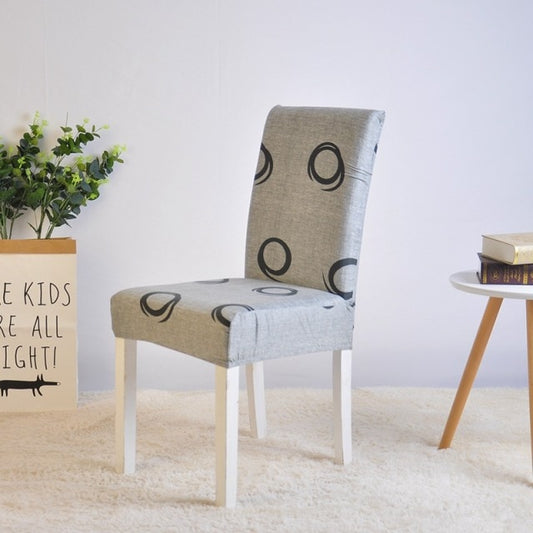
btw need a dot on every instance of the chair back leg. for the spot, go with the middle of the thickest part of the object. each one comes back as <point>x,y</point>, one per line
<point>226,434</point>
<point>342,405</point>
<point>126,397</point>
<point>255,384</point>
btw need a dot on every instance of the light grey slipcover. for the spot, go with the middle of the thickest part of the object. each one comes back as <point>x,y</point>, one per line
<point>304,236</point>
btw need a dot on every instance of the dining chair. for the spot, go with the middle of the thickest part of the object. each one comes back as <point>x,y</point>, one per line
<point>297,295</point>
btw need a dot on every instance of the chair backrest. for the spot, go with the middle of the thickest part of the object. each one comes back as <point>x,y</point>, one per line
<point>309,196</point>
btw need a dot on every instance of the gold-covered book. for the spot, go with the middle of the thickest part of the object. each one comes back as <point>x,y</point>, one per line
<point>510,248</point>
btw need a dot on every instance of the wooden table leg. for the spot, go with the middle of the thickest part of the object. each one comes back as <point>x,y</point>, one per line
<point>529,323</point>
<point>471,368</point>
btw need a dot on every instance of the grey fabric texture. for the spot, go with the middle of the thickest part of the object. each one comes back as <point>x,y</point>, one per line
<point>234,321</point>
<point>304,236</point>
<point>309,198</point>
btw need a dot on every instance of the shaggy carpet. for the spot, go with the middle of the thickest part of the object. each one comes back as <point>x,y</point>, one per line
<point>57,469</point>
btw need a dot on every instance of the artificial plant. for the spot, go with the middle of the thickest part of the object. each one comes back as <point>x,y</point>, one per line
<point>54,184</point>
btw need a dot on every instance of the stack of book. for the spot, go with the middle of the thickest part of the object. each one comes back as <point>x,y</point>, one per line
<point>506,259</point>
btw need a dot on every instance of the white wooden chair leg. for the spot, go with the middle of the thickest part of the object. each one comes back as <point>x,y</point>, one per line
<point>126,393</point>
<point>255,383</point>
<point>342,405</point>
<point>226,434</point>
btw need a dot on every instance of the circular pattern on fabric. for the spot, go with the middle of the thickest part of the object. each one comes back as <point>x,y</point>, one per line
<point>165,310</point>
<point>266,170</point>
<point>270,271</point>
<point>218,316</point>
<point>329,183</point>
<point>330,282</point>
<point>276,291</point>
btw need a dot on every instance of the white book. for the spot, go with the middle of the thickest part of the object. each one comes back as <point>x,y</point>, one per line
<point>510,248</point>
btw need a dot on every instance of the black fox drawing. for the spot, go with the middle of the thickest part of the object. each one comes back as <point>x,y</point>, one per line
<point>36,385</point>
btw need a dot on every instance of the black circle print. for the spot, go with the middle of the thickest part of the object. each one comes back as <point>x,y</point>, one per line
<point>333,182</point>
<point>167,307</point>
<point>330,283</point>
<point>218,316</point>
<point>276,291</point>
<point>266,170</point>
<point>268,270</point>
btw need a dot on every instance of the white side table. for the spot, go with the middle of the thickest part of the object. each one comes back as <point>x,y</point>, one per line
<point>468,281</point>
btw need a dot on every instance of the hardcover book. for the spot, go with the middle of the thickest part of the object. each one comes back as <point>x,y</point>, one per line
<point>498,273</point>
<point>510,248</point>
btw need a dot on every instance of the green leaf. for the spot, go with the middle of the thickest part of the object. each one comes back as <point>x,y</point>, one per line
<point>84,186</point>
<point>94,169</point>
<point>77,199</point>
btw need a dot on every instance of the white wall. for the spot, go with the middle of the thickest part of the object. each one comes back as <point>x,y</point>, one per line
<point>186,85</point>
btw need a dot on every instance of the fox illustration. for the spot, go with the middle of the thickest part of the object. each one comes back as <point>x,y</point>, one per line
<point>36,385</point>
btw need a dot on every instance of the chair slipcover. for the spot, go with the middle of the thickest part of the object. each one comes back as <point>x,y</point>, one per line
<point>304,236</point>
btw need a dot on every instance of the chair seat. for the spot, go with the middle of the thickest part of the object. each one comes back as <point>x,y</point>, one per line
<point>231,322</point>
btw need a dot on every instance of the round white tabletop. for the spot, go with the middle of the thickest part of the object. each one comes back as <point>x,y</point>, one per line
<point>469,282</point>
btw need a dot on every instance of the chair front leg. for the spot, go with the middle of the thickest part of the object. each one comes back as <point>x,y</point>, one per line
<point>342,405</point>
<point>255,383</point>
<point>126,395</point>
<point>226,434</point>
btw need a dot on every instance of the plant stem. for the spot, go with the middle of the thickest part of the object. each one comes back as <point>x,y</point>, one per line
<point>11,225</point>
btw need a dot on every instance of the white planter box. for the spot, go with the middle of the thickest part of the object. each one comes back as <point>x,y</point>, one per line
<point>38,313</point>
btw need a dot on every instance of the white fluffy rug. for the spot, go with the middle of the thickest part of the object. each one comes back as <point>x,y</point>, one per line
<point>57,469</point>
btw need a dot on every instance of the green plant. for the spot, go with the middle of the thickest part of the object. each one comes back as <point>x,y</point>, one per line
<point>55,184</point>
